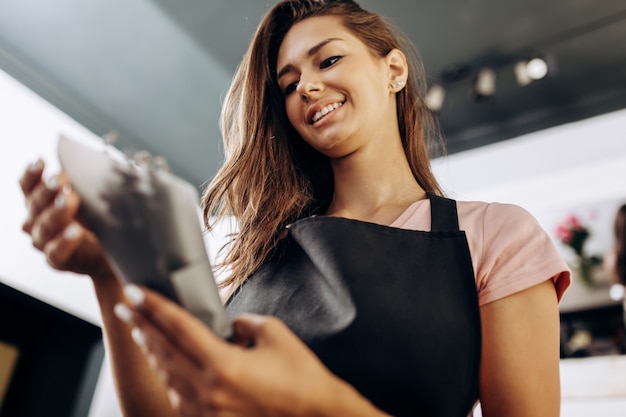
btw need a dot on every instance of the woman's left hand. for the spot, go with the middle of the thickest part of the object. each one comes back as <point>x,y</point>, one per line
<point>267,371</point>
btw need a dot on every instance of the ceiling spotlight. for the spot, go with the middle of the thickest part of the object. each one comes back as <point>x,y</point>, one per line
<point>532,70</point>
<point>485,84</point>
<point>537,68</point>
<point>435,97</point>
<point>617,292</point>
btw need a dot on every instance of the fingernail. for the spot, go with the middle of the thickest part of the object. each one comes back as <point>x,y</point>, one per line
<point>36,234</point>
<point>35,166</point>
<point>61,198</point>
<point>174,398</point>
<point>72,231</point>
<point>52,183</point>
<point>123,313</point>
<point>59,201</point>
<point>138,337</point>
<point>134,294</point>
<point>152,361</point>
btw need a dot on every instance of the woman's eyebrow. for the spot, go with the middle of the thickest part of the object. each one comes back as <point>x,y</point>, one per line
<point>284,70</point>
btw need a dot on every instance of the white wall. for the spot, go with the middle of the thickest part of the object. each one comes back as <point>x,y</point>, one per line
<point>547,172</point>
<point>566,166</point>
<point>29,127</point>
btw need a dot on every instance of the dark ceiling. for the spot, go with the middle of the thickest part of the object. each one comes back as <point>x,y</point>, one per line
<point>156,70</point>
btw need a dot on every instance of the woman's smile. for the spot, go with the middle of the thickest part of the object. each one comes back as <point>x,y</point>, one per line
<point>324,111</point>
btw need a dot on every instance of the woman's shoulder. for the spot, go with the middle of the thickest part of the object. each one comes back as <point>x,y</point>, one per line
<point>490,208</point>
<point>510,250</point>
<point>491,214</point>
<point>500,228</point>
<point>492,226</point>
<point>472,215</point>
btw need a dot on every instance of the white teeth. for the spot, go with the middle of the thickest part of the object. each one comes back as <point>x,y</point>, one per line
<point>325,110</point>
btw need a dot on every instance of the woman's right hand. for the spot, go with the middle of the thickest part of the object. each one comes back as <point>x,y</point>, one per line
<point>53,224</point>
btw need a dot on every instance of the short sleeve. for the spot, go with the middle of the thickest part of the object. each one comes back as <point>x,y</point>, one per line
<point>517,254</point>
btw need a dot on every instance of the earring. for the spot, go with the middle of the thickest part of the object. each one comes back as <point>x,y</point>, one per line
<point>397,85</point>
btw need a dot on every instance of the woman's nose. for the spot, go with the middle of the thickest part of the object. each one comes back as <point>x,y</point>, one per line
<point>308,86</point>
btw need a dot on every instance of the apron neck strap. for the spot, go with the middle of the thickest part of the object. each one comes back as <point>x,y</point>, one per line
<point>443,214</point>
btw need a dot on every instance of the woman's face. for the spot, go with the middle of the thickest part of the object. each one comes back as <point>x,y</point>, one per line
<point>336,90</point>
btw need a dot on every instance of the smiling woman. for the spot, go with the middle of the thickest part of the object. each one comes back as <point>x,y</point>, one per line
<point>355,287</point>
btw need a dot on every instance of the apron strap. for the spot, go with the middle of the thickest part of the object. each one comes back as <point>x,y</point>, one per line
<point>443,214</point>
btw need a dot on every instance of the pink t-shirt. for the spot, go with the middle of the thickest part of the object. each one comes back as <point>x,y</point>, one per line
<point>510,251</point>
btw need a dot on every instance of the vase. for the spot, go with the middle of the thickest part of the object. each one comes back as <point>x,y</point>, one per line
<point>589,270</point>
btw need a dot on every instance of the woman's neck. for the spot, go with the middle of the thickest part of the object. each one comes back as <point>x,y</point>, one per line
<point>376,188</point>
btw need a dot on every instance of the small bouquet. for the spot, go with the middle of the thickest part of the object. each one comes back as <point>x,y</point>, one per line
<point>573,233</point>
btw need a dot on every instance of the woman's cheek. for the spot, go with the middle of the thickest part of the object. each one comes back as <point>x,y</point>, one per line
<point>294,115</point>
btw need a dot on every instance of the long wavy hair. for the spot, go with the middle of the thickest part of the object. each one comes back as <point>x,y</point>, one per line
<point>619,229</point>
<point>271,177</point>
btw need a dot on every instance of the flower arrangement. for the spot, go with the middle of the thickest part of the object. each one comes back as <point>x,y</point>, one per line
<point>574,234</point>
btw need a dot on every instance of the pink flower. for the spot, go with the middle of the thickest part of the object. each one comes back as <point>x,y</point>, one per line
<point>572,232</point>
<point>564,234</point>
<point>572,222</point>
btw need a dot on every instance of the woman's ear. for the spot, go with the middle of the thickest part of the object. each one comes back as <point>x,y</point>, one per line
<point>398,69</point>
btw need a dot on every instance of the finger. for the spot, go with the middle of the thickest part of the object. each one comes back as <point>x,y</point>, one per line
<point>246,329</point>
<point>261,330</point>
<point>169,361</point>
<point>41,197</point>
<point>191,336</point>
<point>188,383</point>
<point>175,401</point>
<point>31,176</point>
<point>55,218</point>
<point>59,249</point>
<point>183,387</point>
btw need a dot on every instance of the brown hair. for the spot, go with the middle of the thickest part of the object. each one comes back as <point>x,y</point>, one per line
<point>271,177</point>
<point>619,230</point>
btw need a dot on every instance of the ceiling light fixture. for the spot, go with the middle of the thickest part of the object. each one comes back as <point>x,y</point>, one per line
<point>532,70</point>
<point>485,84</point>
<point>483,77</point>
<point>435,97</point>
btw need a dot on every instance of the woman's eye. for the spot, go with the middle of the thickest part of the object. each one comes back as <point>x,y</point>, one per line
<point>329,61</point>
<point>290,88</point>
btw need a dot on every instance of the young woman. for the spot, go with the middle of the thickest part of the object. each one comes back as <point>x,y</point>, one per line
<point>373,294</point>
<point>619,248</point>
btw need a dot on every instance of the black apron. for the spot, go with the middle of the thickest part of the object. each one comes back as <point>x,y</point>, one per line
<point>394,312</point>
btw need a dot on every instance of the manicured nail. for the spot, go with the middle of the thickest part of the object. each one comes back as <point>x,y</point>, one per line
<point>36,234</point>
<point>72,231</point>
<point>174,398</point>
<point>36,166</point>
<point>123,313</point>
<point>61,199</point>
<point>138,337</point>
<point>152,361</point>
<point>52,183</point>
<point>134,294</point>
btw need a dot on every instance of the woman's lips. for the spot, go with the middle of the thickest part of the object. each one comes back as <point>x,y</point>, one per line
<point>324,111</point>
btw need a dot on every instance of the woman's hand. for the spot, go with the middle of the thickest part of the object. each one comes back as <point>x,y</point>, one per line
<point>267,371</point>
<point>52,222</point>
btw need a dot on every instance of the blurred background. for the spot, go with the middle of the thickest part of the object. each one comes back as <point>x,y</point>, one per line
<point>531,97</point>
